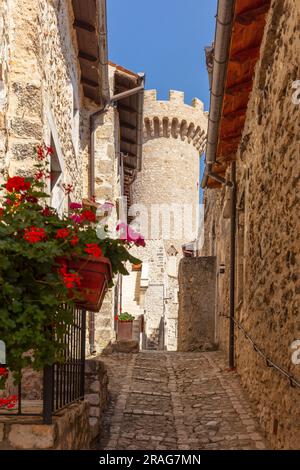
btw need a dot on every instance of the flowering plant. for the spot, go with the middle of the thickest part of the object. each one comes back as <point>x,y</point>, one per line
<point>124,316</point>
<point>3,376</point>
<point>37,293</point>
<point>8,402</point>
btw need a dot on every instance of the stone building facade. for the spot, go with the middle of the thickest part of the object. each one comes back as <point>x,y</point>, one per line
<point>267,290</point>
<point>53,78</point>
<point>57,87</point>
<point>117,154</point>
<point>42,93</point>
<point>163,193</point>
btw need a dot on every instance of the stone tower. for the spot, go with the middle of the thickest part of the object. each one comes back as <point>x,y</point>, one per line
<point>167,191</point>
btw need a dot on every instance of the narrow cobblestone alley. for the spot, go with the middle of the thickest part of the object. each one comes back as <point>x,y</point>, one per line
<point>185,401</point>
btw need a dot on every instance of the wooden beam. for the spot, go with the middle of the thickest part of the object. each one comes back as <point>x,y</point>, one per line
<point>126,140</point>
<point>234,114</point>
<point>231,138</point>
<point>245,54</point>
<point>243,87</point>
<point>126,125</point>
<point>213,183</point>
<point>78,24</point>
<point>127,109</point>
<point>248,16</point>
<point>88,57</point>
<point>88,82</point>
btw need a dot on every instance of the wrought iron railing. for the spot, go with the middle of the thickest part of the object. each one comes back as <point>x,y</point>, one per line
<point>62,383</point>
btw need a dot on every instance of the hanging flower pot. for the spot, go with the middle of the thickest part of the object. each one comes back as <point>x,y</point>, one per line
<point>94,278</point>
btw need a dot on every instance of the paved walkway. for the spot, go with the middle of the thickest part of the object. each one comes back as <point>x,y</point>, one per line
<point>175,401</point>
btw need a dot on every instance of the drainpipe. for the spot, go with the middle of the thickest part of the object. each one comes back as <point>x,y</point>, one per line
<point>104,93</point>
<point>92,148</point>
<point>232,264</point>
<point>224,23</point>
<point>91,193</point>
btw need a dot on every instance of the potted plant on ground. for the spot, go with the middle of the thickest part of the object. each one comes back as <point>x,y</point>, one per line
<point>124,326</point>
<point>48,265</point>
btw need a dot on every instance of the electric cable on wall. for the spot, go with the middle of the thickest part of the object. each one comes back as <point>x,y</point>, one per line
<point>269,362</point>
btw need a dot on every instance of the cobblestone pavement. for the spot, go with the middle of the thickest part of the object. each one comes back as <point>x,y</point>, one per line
<point>172,401</point>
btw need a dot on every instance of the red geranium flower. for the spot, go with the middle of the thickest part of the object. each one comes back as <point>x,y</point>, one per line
<point>46,212</point>
<point>71,280</point>
<point>93,249</point>
<point>3,372</point>
<point>62,233</point>
<point>17,183</point>
<point>34,234</point>
<point>40,153</point>
<point>89,216</point>
<point>50,150</point>
<point>74,240</point>
<point>1,211</point>
<point>63,269</point>
<point>10,402</point>
<point>39,175</point>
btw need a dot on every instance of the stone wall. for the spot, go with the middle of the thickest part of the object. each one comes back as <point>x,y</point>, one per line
<point>76,427</point>
<point>268,227</point>
<point>40,90</point>
<point>96,394</point>
<point>70,431</point>
<point>107,188</point>
<point>217,243</point>
<point>196,315</point>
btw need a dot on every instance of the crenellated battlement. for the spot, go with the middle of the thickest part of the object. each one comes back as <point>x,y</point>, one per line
<point>175,96</point>
<point>174,118</point>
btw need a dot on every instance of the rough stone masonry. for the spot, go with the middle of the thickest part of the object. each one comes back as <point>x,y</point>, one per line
<point>268,227</point>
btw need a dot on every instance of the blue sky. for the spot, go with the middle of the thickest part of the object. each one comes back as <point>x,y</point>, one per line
<point>166,40</point>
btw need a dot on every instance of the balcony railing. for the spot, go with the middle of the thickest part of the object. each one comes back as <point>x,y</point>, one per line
<point>60,384</point>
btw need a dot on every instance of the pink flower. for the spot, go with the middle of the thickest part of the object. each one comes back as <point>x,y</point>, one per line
<point>75,205</point>
<point>130,235</point>
<point>76,218</point>
<point>140,241</point>
<point>121,226</point>
<point>107,206</point>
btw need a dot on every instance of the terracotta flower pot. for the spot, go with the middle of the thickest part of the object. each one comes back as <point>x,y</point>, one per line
<point>124,330</point>
<point>95,276</point>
